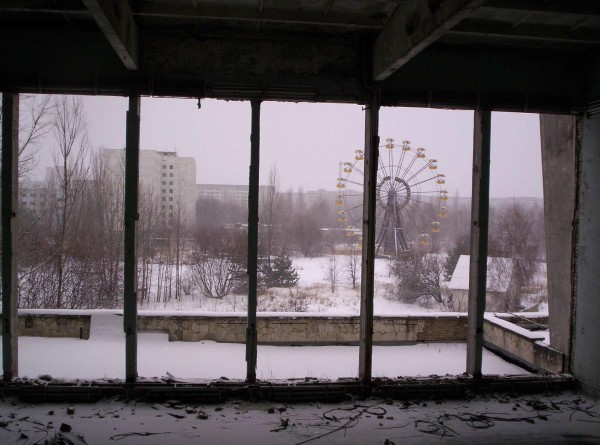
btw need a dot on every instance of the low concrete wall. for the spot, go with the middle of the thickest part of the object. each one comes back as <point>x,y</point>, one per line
<point>308,329</point>
<point>54,325</point>
<point>525,347</point>
<point>500,335</point>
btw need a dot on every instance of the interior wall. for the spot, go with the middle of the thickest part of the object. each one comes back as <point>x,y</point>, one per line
<point>558,166</point>
<point>586,332</point>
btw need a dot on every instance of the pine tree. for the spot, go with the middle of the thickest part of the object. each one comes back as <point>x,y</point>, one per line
<point>283,273</point>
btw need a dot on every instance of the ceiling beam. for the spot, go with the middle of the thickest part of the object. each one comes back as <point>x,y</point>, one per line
<point>116,22</point>
<point>245,14</point>
<point>532,32</point>
<point>577,7</point>
<point>412,28</point>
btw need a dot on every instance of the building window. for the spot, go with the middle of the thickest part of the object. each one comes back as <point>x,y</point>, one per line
<point>164,175</point>
<point>170,198</point>
<point>171,208</point>
<point>164,198</point>
<point>170,167</point>
<point>164,183</point>
<point>170,174</point>
<point>170,182</point>
<point>170,190</point>
<point>164,166</point>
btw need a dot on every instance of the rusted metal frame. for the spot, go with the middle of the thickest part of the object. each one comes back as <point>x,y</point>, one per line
<point>10,152</point>
<point>132,162</point>
<point>479,240</point>
<point>365,362</point>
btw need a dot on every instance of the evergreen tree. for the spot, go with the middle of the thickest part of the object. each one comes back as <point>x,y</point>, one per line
<point>283,273</point>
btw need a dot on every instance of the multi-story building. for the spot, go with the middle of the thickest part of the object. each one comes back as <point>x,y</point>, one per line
<point>232,193</point>
<point>33,196</point>
<point>164,176</point>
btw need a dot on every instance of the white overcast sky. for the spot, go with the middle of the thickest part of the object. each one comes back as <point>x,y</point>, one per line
<point>307,141</point>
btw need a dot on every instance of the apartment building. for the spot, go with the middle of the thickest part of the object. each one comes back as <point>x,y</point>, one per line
<point>164,176</point>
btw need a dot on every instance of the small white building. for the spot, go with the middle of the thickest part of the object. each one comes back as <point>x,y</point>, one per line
<point>499,277</point>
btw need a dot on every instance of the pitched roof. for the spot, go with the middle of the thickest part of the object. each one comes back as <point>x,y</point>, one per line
<point>499,274</point>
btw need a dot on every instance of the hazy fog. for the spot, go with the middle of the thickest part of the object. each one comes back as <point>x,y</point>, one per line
<point>307,141</point>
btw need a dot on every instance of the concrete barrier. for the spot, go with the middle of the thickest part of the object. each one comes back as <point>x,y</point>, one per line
<point>525,347</point>
<point>500,335</point>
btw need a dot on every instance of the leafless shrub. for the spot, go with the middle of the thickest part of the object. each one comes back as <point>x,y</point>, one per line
<point>214,276</point>
<point>418,279</point>
<point>298,300</point>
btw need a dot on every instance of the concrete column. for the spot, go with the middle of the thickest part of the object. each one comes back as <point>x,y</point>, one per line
<point>480,198</point>
<point>10,298</point>
<point>251,336</point>
<point>132,162</point>
<point>558,137</point>
<point>365,361</point>
<point>586,329</point>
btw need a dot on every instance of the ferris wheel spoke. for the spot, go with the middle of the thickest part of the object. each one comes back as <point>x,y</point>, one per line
<point>428,218</point>
<point>412,162</point>
<point>358,170</point>
<point>349,209</point>
<point>382,171</point>
<point>352,182</point>
<point>417,173</point>
<point>424,192</point>
<point>433,178</point>
<point>400,163</point>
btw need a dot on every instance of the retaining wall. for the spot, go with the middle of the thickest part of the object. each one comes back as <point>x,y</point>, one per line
<point>308,330</point>
<point>526,347</point>
<point>54,325</point>
<point>500,335</point>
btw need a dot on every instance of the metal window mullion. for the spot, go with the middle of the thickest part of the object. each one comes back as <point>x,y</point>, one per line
<point>10,152</point>
<point>365,361</point>
<point>132,158</point>
<point>479,240</point>
<point>253,197</point>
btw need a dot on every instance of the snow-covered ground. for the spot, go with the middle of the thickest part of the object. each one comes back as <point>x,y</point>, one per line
<point>103,356</point>
<point>313,293</point>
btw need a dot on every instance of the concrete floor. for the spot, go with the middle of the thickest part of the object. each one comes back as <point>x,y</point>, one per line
<point>496,419</point>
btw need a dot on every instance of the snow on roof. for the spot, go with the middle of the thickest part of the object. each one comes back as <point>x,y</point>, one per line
<point>499,273</point>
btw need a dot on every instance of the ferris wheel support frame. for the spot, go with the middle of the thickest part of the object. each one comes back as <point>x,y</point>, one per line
<point>391,236</point>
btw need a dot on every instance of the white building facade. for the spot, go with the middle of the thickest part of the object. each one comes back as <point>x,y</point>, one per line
<point>165,177</point>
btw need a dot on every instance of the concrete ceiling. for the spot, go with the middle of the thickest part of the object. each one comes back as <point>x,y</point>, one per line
<point>528,55</point>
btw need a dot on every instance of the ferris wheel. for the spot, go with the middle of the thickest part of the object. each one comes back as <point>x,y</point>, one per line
<point>410,198</point>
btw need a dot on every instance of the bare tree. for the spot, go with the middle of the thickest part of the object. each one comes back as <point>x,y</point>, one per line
<point>71,159</point>
<point>517,232</point>
<point>332,272</point>
<point>147,234</point>
<point>418,279</point>
<point>107,221</point>
<point>270,203</point>
<point>180,224</point>
<point>35,121</point>
<point>352,265</point>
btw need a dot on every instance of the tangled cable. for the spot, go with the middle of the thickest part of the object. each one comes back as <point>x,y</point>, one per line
<point>351,420</point>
